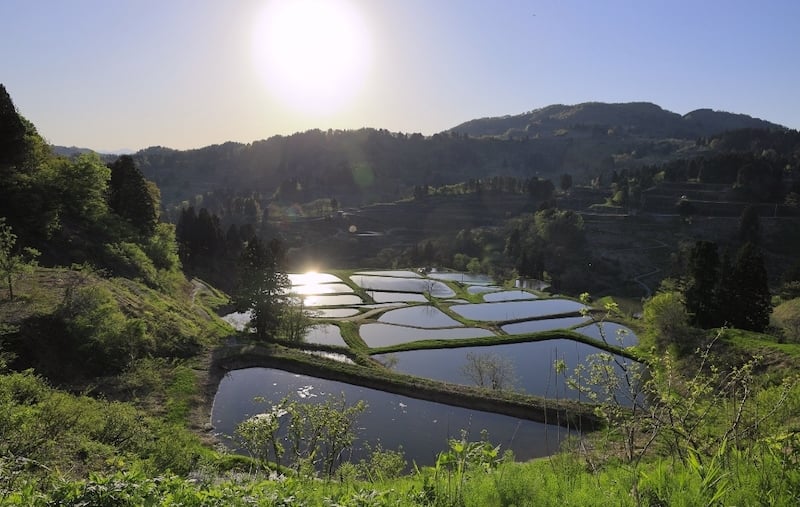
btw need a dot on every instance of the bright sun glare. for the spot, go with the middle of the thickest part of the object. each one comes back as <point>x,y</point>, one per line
<point>312,54</point>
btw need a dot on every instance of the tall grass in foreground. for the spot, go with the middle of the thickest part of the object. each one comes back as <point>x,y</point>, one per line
<point>764,474</point>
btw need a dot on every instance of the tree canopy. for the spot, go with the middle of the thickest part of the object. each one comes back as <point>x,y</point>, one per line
<point>262,286</point>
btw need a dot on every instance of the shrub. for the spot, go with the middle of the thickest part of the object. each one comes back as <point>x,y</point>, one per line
<point>129,260</point>
<point>786,316</point>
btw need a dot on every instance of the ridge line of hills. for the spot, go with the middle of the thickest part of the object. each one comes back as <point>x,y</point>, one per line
<point>636,118</point>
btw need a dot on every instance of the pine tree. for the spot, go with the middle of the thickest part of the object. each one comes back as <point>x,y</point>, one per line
<point>751,307</point>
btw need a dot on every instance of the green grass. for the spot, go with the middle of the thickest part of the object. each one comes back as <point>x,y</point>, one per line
<point>750,341</point>
<point>754,476</point>
<point>180,395</point>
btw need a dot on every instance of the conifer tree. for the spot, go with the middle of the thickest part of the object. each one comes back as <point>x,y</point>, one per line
<point>749,226</point>
<point>701,290</point>
<point>750,305</point>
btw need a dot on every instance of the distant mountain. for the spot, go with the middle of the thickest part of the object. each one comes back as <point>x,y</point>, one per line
<point>595,119</point>
<point>69,151</point>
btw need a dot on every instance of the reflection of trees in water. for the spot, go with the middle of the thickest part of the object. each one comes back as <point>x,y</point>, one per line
<point>388,361</point>
<point>490,370</point>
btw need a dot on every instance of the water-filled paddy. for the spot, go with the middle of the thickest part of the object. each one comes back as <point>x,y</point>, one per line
<point>322,288</point>
<point>420,285</point>
<point>334,313</point>
<point>615,334</point>
<point>392,273</point>
<point>383,335</point>
<point>533,364</point>
<point>334,300</point>
<point>418,316</point>
<point>507,295</point>
<point>397,297</point>
<point>325,334</point>
<point>466,278</point>
<point>420,427</point>
<point>514,310</point>
<point>312,278</point>
<point>534,326</point>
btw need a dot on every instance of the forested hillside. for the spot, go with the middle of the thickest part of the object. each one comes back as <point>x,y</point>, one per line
<point>638,119</point>
<point>368,165</point>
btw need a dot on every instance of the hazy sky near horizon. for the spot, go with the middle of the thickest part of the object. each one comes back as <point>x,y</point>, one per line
<point>127,74</point>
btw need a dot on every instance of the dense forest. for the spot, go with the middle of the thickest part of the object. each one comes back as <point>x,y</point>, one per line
<point>110,343</point>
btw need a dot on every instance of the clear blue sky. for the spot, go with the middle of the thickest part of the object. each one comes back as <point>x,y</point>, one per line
<point>112,74</point>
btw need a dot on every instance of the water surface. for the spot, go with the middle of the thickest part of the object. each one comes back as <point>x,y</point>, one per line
<point>397,297</point>
<point>312,278</point>
<point>421,428</point>
<point>507,295</point>
<point>611,332</point>
<point>532,364</point>
<point>391,273</point>
<point>466,278</point>
<point>419,316</point>
<point>514,310</point>
<point>382,335</point>
<point>334,313</point>
<point>325,334</point>
<point>534,326</point>
<point>322,288</point>
<point>385,283</point>
<point>334,300</point>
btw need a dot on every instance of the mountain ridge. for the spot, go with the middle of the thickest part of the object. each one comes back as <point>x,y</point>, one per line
<point>643,119</point>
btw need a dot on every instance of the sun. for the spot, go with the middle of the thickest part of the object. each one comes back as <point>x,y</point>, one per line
<point>312,54</point>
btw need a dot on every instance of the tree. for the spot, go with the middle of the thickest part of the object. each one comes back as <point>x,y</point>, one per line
<point>666,320</point>
<point>13,148</point>
<point>309,435</point>
<point>295,321</point>
<point>748,305</point>
<point>749,225</point>
<point>701,290</point>
<point>262,287</point>
<point>11,264</point>
<point>130,197</point>
<point>83,184</point>
<point>566,182</point>
<point>259,434</point>
<point>560,228</point>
